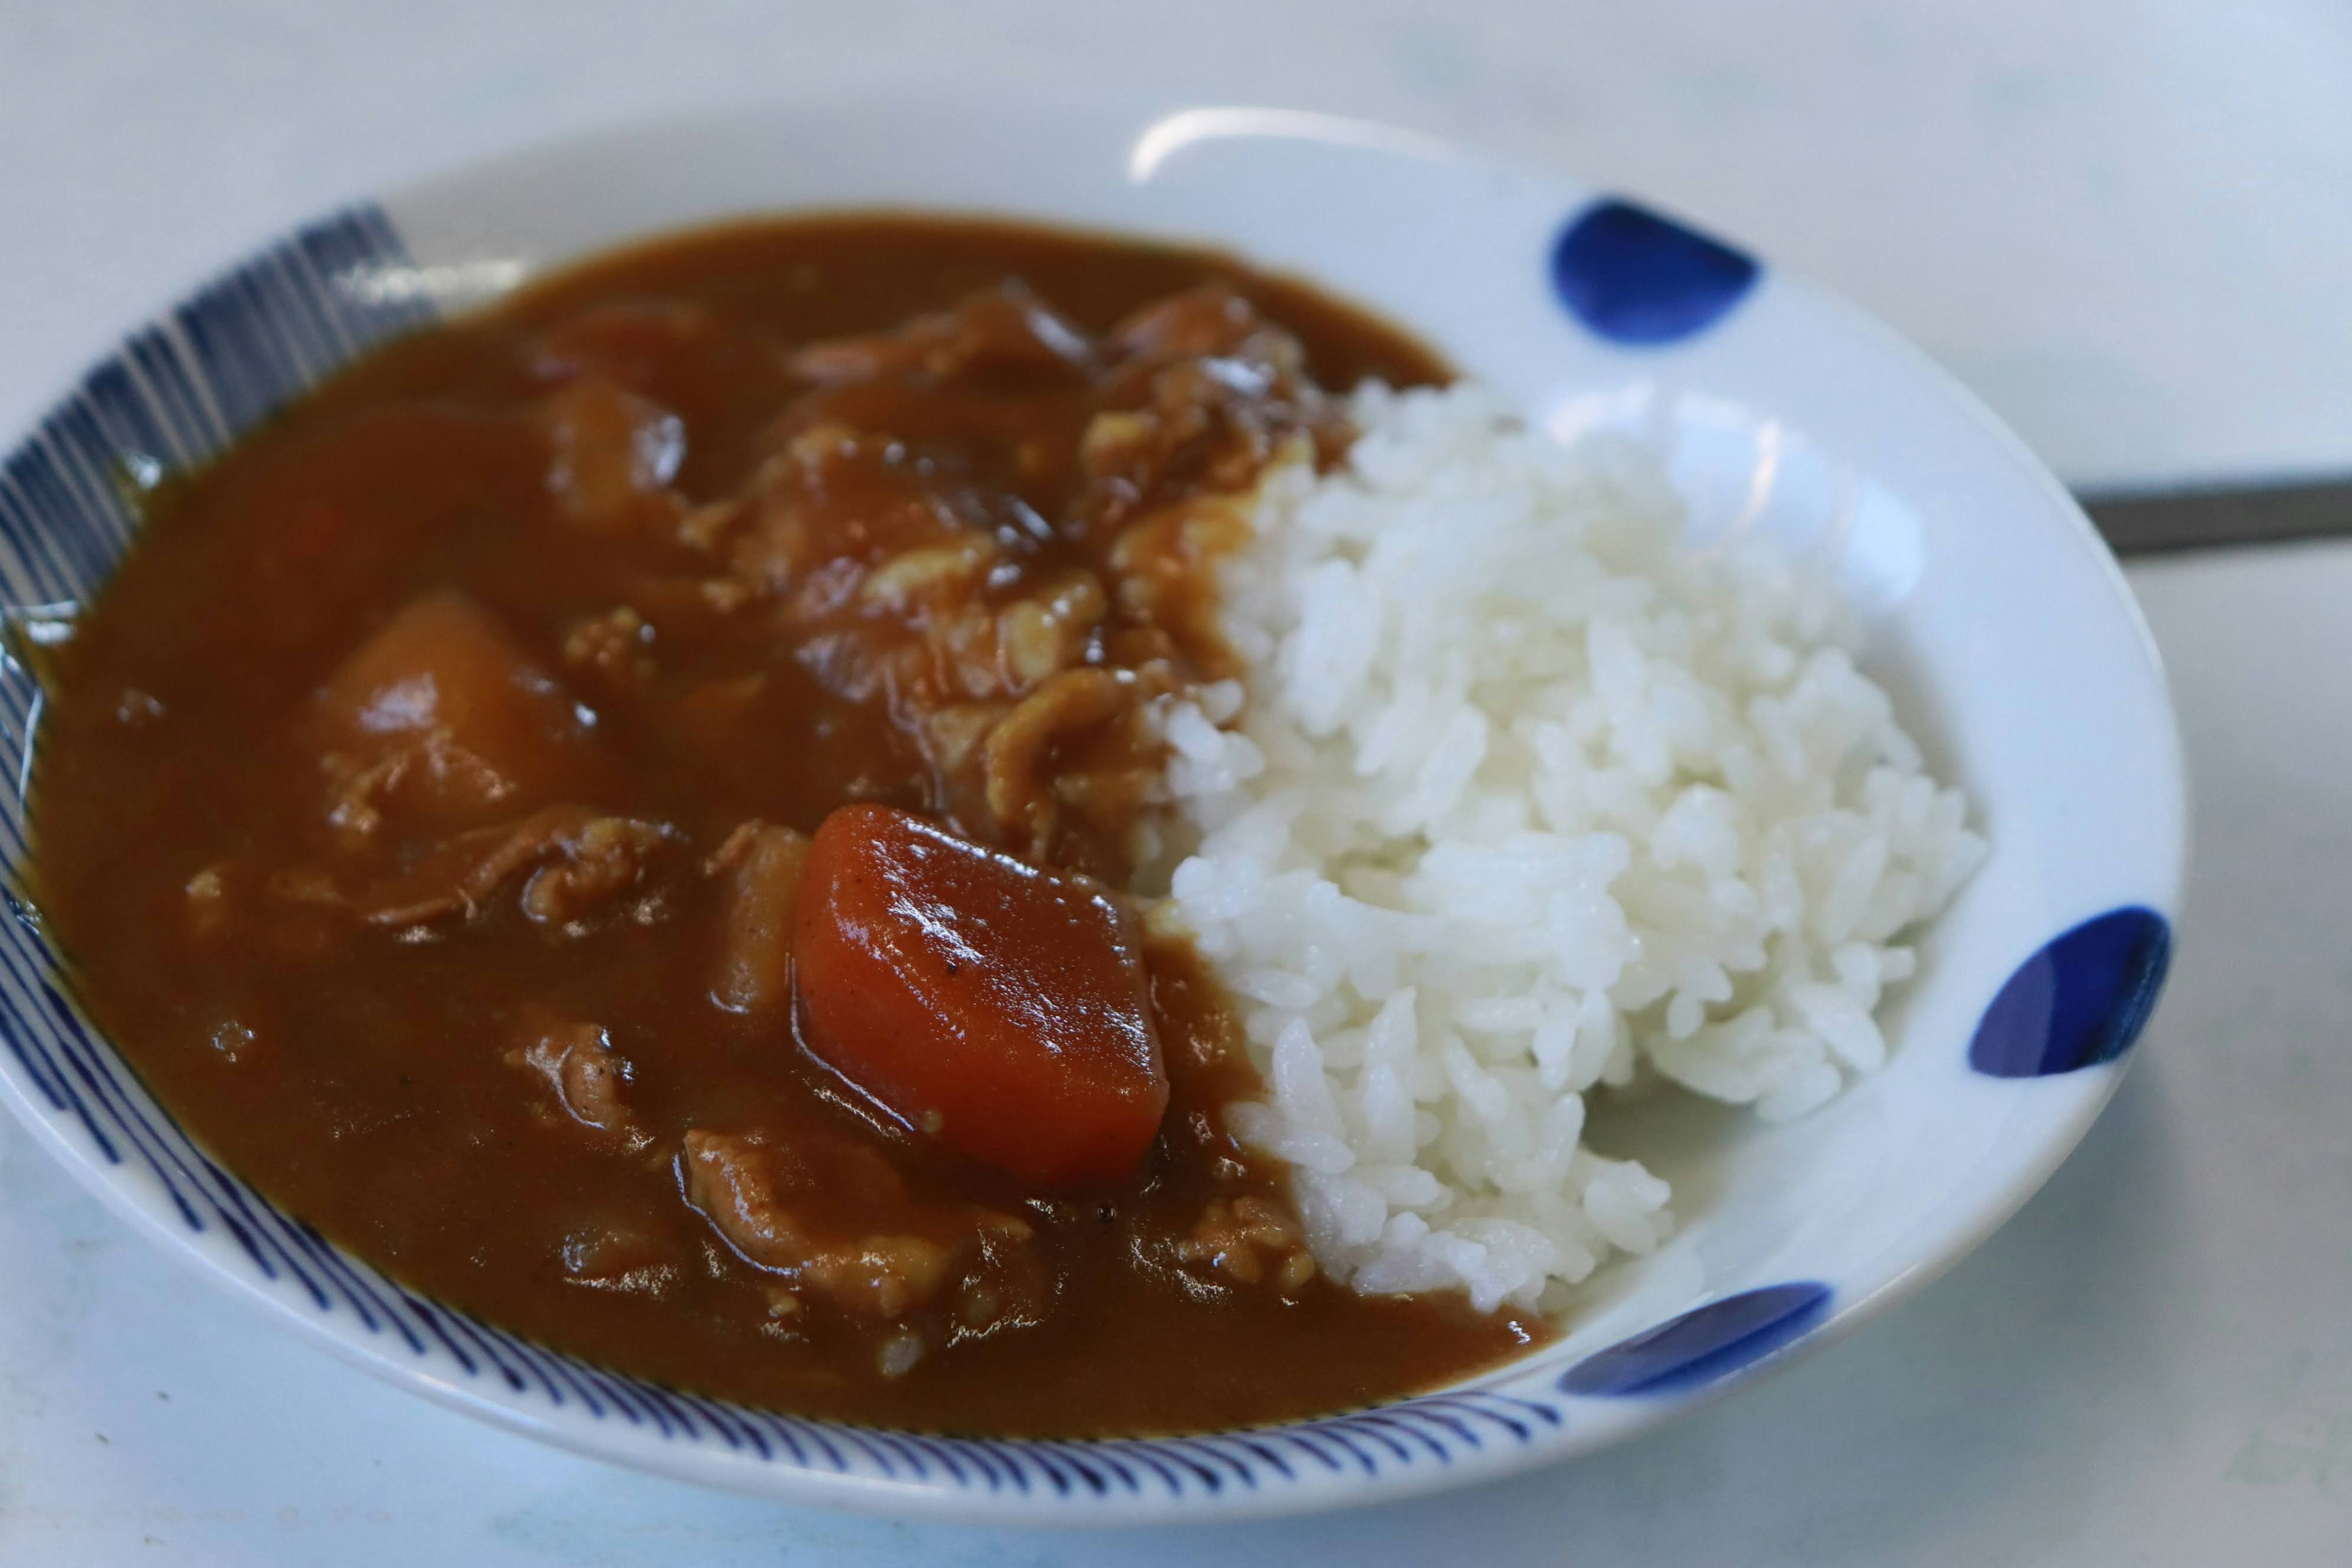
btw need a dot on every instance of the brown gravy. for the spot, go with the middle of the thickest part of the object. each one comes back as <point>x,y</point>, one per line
<point>418,986</point>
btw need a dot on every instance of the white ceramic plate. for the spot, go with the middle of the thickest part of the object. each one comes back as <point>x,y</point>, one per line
<point>1995,614</point>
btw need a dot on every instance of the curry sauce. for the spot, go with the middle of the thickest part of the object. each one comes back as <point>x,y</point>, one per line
<point>422,806</point>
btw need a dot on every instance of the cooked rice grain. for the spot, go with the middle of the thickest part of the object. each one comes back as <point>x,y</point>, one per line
<point>1525,798</point>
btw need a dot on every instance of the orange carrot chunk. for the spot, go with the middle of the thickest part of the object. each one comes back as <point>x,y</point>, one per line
<point>1001,1009</point>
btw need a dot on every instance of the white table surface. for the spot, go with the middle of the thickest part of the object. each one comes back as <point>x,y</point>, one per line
<point>2128,226</point>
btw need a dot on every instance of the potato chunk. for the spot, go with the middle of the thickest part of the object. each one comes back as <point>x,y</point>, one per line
<point>763,866</point>
<point>613,456</point>
<point>839,1222</point>
<point>441,720</point>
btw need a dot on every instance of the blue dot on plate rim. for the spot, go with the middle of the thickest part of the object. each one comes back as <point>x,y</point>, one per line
<point>1641,281</point>
<point>1704,1345</point>
<point>2080,1001</point>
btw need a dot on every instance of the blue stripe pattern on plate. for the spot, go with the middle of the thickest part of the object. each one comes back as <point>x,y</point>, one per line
<point>173,396</point>
<point>2081,1001</point>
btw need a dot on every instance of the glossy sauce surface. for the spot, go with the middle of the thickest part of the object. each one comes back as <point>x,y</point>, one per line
<point>426,802</point>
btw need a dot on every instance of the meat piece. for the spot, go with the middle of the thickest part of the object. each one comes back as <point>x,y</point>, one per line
<point>837,1220</point>
<point>1210,319</point>
<point>832,502</point>
<point>432,770</point>
<point>629,342</point>
<point>1205,425</point>
<point>617,644</point>
<point>1018,753</point>
<point>578,1062</point>
<point>997,1007</point>
<point>925,634</point>
<point>605,858</point>
<point>620,1255</point>
<point>1051,629</point>
<point>440,720</point>
<point>1204,396</point>
<point>1165,565</point>
<point>613,457</point>
<point>914,579</point>
<point>706,527</point>
<point>580,863</point>
<point>763,866</point>
<point>1247,1240</point>
<point>1001,334</point>
<point>460,879</point>
<point>952,736</point>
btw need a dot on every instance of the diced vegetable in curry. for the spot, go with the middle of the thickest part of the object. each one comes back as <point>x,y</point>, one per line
<point>626,811</point>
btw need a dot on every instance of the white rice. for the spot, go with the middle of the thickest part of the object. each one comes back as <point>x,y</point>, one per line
<point>1523,799</point>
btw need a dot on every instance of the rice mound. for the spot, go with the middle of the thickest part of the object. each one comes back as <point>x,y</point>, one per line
<point>1524,796</point>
